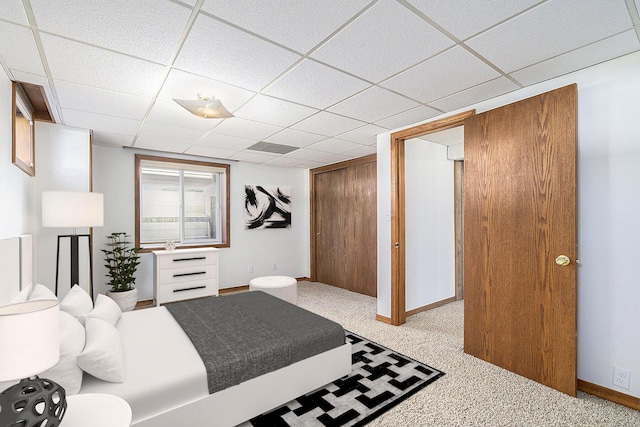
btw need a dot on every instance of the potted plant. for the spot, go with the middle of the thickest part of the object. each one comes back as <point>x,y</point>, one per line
<point>122,262</point>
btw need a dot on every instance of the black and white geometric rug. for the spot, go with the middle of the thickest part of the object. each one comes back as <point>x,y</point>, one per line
<point>380,379</point>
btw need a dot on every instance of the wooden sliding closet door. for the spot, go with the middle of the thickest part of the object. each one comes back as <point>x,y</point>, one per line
<point>519,220</point>
<point>343,225</point>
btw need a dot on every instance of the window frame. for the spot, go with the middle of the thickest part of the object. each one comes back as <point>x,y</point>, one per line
<point>225,210</point>
<point>19,140</point>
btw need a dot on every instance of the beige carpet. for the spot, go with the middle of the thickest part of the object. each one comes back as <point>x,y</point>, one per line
<point>473,392</point>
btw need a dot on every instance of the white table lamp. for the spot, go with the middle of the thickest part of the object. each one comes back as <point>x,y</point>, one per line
<point>30,337</point>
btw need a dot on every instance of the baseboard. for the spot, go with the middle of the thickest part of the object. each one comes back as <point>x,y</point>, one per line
<point>430,306</point>
<point>144,304</point>
<point>608,394</point>
<point>303,279</point>
<point>234,289</point>
<point>383,319</point>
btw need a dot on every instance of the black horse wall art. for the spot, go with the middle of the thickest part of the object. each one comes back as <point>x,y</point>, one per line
<point>267,207</point>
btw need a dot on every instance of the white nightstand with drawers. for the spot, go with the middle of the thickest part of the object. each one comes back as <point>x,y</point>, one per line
<point>185,273</point>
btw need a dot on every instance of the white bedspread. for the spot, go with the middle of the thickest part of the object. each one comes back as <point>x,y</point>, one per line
<point>162,368</point>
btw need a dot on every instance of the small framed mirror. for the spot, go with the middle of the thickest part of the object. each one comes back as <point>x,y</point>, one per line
<point>23,132</point>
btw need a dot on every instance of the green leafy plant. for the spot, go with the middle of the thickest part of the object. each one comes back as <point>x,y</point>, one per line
<point>122,262</point>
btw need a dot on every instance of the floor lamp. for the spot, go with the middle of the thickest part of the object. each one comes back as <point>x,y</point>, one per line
<point>75,210</point>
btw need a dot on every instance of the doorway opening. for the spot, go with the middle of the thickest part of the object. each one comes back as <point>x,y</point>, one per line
<point>398,207</point>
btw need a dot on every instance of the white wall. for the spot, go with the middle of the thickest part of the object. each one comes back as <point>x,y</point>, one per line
<point>16,187</point>
<point>430,224</point>
<point>608,212</point>
<point>383,164</point>
<point>113,174</point>
<point>62,164</point>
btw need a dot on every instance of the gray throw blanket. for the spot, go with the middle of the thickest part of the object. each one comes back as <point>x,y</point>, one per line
<point>242,336</point>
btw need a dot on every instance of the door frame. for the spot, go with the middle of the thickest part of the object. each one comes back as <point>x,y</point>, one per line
<point>398,213</point>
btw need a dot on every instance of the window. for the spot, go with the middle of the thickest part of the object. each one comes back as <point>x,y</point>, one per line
<point>181,200</point>
<point>23,131</point>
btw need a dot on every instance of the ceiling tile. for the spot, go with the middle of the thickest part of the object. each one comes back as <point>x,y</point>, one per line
<point>285,162</point>
<point>206,151</point>
<point>316,85</point>
<point>386,39</point>
<point>367,135</point>
<point>172,114</point>
<point>475,94</point>
<point>299,25</point>
<point>19,50</point>
<point>253,156</point>
<point>157,136</point>
<point>334,145</point>
<point>110,138</point>
<point>12,10</point>
<point>226,142</point>
<point>221,52</point>
<point>274,111</point>
<point>35,79</point>
<point>449,72</point>
<point>182,85</point>
<point>246,129</point>
<point>295,138</point>
<point>328,124</point>
<point>464,18</point>
<point>550,29</point>
<point>316,156</point>
<point>148,29</point>
<point>100,122</point>
<point>363,150</point>
<point>373,104</point>
<point>601,51</point>
<point>92,66</point>
<point>100,101</point>
<point>408,117</point>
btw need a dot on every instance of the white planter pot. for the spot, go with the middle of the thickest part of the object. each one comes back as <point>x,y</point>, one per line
<point>126,300</point>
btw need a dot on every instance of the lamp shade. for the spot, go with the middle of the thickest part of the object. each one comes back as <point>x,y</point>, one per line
<point>29,337</point>
<point>72,209</point>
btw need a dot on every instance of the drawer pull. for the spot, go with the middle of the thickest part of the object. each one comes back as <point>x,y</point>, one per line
<point>190,259</point>
<point>195,273</point>
<point>189,289</point>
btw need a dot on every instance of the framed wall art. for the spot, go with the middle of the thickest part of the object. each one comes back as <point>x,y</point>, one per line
<point>267,207</point>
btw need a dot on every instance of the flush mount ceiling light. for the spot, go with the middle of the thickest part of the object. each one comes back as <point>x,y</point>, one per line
<point>205,106</point>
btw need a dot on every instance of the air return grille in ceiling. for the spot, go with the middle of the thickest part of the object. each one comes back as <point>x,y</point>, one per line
<point>269,147</point>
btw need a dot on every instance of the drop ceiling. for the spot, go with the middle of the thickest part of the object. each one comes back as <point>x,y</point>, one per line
<point>324,76</point>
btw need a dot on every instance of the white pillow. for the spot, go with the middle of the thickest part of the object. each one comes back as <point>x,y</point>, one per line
<point>66,372</point>
<point>106,309</point>
<point>23,295</point>
<point>102,356</point>
<point>41,292</point>
<point>77,302</point>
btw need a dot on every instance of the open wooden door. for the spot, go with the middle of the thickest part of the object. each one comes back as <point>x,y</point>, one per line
<point>519,216</point>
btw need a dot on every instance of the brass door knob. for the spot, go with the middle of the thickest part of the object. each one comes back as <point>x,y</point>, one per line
<point>563,260</point>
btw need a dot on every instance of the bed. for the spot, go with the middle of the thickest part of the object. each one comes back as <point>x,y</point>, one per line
<point>166,381</point>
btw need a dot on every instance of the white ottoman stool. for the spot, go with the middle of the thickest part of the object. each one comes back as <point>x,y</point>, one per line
<point>283,287</point>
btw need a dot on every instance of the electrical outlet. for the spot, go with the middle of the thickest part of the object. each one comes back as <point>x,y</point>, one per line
<point>273,266</point>
<point>621,377</point>
<point>250,269</point>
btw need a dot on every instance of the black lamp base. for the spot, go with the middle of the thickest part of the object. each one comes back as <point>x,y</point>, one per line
<point>31,402</point>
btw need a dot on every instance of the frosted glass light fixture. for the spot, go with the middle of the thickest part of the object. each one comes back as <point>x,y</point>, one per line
<point>205,106</point>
